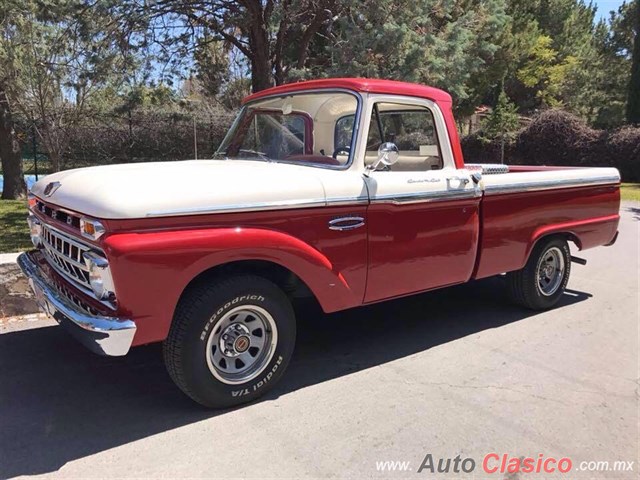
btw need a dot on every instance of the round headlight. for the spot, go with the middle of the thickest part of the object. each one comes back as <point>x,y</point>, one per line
<point>99,275</point>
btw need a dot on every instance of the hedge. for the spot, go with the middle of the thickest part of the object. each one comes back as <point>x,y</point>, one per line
<point>556,137</point>
<point>145,135</point>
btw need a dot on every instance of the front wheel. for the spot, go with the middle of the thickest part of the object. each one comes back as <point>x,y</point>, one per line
<point>230,340</point>
<point>541,283</point>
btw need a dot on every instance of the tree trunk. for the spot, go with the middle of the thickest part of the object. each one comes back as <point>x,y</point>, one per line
<point>51,147</point>
<point>260,71</point>
<point>52,139</point>
<point>307,36</point>
<point>261,67</point>
<point>260,64</point>
<point>55,159</point>
<point>633,100</point>
<point>10,153</point>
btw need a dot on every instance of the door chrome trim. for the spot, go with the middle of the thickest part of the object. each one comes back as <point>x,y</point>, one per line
<point>351,223</point>
<point>360,200</point>
<point>421,197</point>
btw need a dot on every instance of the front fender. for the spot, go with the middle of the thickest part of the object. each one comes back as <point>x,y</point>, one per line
<point>151,270</point>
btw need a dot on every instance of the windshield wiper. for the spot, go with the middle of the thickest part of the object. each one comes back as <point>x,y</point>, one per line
<point>260,155</point>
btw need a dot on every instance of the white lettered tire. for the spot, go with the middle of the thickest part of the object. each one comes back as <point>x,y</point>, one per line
<point>543,280</point>
<point>231,340</point>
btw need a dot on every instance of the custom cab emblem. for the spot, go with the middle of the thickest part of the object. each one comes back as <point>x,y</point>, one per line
<point>51,188</point>
<point>423,180</point>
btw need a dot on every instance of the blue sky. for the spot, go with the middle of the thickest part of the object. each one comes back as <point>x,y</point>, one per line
<point>604,6</point>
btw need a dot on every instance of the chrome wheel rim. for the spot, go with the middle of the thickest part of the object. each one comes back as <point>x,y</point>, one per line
<point>550,271</point>
<point>241,344</point>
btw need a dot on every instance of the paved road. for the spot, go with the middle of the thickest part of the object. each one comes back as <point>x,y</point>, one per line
<point>456,372</point>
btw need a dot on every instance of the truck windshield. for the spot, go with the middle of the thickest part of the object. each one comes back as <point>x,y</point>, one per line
<point>306,128</point>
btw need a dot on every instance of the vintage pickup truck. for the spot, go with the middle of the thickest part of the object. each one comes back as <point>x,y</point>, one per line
<point>353,191</point>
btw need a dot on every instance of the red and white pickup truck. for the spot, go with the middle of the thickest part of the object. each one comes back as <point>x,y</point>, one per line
<point>351,190</point>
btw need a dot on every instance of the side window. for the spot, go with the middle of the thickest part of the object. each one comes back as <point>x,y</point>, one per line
<point>412,129</point>
<point>343,132</point>
<point>275,135</point>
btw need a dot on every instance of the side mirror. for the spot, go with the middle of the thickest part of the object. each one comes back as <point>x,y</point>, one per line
<point>387,155</point>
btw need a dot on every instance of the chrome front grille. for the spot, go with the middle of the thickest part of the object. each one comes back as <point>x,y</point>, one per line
<point>65,256</point>
<point>60,215</point>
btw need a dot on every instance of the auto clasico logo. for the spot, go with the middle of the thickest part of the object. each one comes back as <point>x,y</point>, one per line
<point>496,463</point>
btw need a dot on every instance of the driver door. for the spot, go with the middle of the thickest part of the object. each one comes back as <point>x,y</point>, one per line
<point>423,214</point>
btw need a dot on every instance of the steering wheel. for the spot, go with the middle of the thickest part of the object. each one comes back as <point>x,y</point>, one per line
<point>346,149</point>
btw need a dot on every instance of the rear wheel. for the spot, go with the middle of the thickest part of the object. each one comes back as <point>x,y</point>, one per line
<point>230,340</point>
<point>541,283</point>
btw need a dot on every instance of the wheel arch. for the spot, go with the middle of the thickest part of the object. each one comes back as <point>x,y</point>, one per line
<point>287,280</point>
<point>154,269</point>
<point>567,235</point>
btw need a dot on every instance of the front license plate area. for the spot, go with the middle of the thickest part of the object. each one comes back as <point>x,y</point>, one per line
<point>41,300</point>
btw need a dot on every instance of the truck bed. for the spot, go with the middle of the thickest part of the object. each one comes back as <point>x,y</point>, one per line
<point>525,203</point>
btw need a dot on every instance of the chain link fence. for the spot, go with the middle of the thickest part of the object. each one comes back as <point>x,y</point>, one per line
<point>137,136</point>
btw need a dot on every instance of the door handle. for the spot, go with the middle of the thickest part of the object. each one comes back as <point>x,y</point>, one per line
<point>462,181</point>
<point>346,223</point>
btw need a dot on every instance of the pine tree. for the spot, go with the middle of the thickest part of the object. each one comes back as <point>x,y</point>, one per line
<point>633,99</point>
<point>502,123</point>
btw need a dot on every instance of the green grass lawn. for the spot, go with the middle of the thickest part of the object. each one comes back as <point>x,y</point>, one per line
<point>14,233</point>
<point>630,191</point>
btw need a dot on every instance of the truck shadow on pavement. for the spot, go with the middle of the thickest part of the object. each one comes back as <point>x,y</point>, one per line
<point>635,212</point>
<point>59,403</point>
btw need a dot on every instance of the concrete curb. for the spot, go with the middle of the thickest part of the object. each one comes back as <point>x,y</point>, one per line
<point>8,257</point>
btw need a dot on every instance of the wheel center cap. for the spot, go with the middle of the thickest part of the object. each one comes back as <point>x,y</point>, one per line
<point>241,344</point>
<point>235,340</point>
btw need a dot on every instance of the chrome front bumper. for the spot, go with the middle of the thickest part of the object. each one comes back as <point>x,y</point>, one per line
<point>102,335</point>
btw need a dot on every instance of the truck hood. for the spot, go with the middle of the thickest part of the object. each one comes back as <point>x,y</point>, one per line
<point>180,188</point>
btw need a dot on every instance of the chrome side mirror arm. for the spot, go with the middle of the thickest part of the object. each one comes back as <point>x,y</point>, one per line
<point>388,154</point>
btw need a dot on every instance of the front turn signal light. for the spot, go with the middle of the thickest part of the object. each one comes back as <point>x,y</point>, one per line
<point>35,230</point>
<point>33,201</point>
<point>90,228</point>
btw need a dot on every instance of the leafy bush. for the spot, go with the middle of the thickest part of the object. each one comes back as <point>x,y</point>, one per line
<point>555,137</point>
<point>147,134</point>
<point>624,147</point>
<point>477,150</point>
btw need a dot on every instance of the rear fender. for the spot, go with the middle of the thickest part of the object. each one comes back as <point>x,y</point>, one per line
<point>585,234</point>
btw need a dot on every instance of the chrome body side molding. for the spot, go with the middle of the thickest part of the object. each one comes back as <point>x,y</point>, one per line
<point>490,189</point>
<point>263,206</point>
<point>437,196</point>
